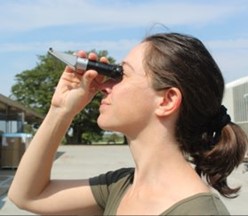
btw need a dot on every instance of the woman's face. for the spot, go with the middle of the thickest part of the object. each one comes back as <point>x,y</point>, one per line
<point>128,105</point>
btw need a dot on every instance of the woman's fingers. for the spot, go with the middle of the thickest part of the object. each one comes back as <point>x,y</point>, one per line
<point>93,79</point>
<point>81,54</point>
<point>93,56</point>
<point>104,60</point>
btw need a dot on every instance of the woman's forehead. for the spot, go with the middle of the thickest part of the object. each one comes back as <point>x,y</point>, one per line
<point>136,55</point>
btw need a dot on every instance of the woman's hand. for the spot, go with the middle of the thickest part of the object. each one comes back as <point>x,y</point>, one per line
<point>77,88</point>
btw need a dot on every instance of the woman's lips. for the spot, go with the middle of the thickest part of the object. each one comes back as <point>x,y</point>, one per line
<point>104,104</point>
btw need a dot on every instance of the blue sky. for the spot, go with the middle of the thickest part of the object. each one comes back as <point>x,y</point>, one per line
<point>29,27</point>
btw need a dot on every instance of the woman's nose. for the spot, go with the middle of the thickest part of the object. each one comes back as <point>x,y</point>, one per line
<point>105,87</point>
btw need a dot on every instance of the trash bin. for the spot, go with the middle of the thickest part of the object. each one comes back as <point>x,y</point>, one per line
<point>12,149</point>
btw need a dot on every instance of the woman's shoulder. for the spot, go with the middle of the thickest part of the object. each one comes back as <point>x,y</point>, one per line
<point>199,204</point>
<point>111,177</point>
<point>110,184</point>
<point>120,174</point>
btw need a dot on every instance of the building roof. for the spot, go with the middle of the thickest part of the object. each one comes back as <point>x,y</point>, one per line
<point>237,82</point>
<point>11,108</point>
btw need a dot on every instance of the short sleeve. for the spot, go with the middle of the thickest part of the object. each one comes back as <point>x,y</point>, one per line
<point>101,185</point>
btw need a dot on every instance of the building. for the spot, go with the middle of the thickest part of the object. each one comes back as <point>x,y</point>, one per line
<point>236,101</point>
<point>13,140</point>
<point>13,116</point>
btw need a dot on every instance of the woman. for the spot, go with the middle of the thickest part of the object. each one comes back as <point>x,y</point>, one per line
<point>168,105</point>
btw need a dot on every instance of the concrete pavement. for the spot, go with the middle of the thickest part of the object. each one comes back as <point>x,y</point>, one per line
<point>86,161</point>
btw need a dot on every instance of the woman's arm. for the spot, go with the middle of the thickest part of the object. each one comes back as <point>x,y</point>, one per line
<point>32,189</point>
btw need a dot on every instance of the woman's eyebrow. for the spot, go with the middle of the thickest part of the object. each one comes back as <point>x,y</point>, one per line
<point>123,63</point>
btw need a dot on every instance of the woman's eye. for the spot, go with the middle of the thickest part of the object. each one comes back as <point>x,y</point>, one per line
<point>118,79</point>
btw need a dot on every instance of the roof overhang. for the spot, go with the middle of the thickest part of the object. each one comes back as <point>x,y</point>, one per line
<point>9,109</point>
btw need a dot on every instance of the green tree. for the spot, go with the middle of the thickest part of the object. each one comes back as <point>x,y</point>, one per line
<point>34,88</point>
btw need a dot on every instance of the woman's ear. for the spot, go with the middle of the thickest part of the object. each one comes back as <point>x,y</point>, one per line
<point>169,102</point>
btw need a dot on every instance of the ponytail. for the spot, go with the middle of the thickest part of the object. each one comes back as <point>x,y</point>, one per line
<point>217,163</point>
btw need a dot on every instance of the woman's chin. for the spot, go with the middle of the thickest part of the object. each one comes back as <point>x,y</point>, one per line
<point>107,127</point>
<point>103,124</point>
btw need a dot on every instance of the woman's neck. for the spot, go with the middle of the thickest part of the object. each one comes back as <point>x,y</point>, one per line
<point>161,164</point>
<point>154,157</point>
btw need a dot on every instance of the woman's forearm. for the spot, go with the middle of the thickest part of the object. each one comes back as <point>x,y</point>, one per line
<point>32,186</point>
<point>33,174</point>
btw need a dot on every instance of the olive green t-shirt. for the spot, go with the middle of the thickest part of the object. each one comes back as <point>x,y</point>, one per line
<point>109,188</point>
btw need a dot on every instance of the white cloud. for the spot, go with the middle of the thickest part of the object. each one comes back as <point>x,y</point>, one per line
<point>98,15</point>
<point>117,49</point>
<point>26,15</point>
<point>231,55</point>
<point>67,45</point>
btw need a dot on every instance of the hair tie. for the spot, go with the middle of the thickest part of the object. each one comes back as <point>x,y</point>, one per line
<point>220,120</point>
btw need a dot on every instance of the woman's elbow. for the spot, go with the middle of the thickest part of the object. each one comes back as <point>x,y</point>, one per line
<point>19,201</point>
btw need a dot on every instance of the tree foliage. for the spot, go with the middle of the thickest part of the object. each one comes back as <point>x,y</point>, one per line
<point>34,88</point>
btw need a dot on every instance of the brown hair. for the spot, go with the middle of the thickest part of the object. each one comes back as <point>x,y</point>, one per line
<point>182,61</point>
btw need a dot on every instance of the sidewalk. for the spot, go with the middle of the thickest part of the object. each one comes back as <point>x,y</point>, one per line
<point>86,161</point>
